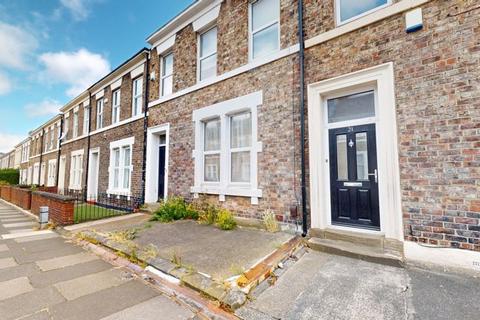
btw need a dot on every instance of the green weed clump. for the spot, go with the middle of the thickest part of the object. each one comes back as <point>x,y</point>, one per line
<point>173,209</point>
<point>225,220</point>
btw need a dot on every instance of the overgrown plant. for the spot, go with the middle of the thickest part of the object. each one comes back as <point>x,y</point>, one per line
<point>270,221</point>
<point>174,208</point>
<point>225,220</point>
<point>207,212</point>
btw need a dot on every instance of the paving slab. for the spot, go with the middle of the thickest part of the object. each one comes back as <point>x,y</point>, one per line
<point>30,233</point>
<point>322,286</point>
<point>65,261</point>
<point>22,230</point>
<point>86,285</point>
<point>16,219</point>
<point>19,224</point>
<point>21,270</point>
<point>3,247</point>
<point>29,303</point>
<point>14,287</point>
<point>41,315</point>
<point>37,238</point>
<point>149,310</point>
<point>7,263</point>
<point>43,279</point>
<point>104,303</point>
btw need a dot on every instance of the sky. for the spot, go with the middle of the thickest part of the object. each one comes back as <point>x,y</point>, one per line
<point>52,50</point>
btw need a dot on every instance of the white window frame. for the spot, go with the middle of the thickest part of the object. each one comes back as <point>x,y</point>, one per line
<point>252,32</point>
<point>76,169</point>
<point>116,107</point>
<point>42,173</point>
<point>100,102</point>
<point>224,111</point>
<point>338,18</point>
<point>75,124</point>
<point>138,97</point>
<point>162,76</point>
<point>52,138</point>
<point>121,145</point>
<point>86,119</point>
<point>36,173</point>
<point>52,172</point>
<point>200,58</point>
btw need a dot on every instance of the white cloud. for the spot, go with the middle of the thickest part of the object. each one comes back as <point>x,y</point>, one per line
<point>8,141</point>
<point>46,107</point>
<point>5,84</point>
<point>78,8</point>
<point>79,69</point>
<point>16,46</point>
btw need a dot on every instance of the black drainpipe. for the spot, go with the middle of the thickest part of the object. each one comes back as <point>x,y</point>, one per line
<point>145,123</point>
<point>302,116</point>
<point>59,151</point>
<point>41,157</point>
<point>88,141</point>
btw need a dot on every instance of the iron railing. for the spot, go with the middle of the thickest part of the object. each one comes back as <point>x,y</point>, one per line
<point>101,205</point>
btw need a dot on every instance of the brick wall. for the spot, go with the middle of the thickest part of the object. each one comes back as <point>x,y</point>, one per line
<point>61,208</point>
<point>437,106</point>
<point>6,193</point>
<point>21,197</point>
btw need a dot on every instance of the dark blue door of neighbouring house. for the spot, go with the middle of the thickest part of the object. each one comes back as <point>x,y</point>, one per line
<point>161,173</point>
<point>354,176</point>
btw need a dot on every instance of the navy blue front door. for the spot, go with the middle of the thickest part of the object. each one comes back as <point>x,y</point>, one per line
<point>354,176</point>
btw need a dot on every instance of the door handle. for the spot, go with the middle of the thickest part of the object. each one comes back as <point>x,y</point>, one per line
<point>375,174</point>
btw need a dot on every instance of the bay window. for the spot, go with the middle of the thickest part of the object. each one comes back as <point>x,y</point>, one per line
<point>86,119</point>
<point>226,148</point>
<point>166,80</point>
<point>75,124</point>
<point>76,170</point>
<point>116,106</point>
<point>99,113</point>
<point>207,59</point>
<point>120,171</point>
<point>137,96</point>
<point>264,27</point>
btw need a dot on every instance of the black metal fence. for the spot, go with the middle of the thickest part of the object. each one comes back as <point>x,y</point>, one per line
<point>102,205</point>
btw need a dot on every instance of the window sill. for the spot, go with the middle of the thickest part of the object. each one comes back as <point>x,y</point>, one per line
<point>237,191</point>
<point>119,192</point>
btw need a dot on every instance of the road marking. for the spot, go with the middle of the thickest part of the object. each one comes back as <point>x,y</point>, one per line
<point>26,234</point>
<point>14,287</point>
<point>65,261</point>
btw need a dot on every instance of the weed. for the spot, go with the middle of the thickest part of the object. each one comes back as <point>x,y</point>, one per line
<point>176,259</point>
<point>207,211</point>
<point>174,208</point>
<point>123,236</point>
<point>149,252</point>
<point>270,221</point>
<point>236,269</point>
<point>225,220</point>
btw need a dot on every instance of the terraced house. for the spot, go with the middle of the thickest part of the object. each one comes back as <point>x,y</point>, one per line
<point>363,127</point>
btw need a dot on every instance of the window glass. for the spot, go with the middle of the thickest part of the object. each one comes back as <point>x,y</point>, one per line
<point>208,42</point>
<point>355,106</point>
<point>352,8</point>
<point>126,168</point>
<point>241,130</point>
<point>100,114</point>
<point>167,67</point>
<point>212,135</point>
<point>342,161</point>
<point>116,170</point>
<point>116,107</point>
<point>265,27</point>
<point>241,166</point>
<point>137,96</point>
<point>264,12</point>
<point>362,156</point>
<point>212,168</point>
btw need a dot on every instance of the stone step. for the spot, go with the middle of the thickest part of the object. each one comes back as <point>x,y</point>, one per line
<point>352,236</point>
<point>357,251</point>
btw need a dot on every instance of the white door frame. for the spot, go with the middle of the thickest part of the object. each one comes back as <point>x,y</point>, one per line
<point>151,176</point>
<point>92,182</point>
<point>61,173</point>
<point>382,79</point>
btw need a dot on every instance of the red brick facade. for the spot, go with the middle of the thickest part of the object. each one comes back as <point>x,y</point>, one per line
<point>60,208</point>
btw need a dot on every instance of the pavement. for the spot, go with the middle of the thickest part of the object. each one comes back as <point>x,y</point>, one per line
<point>323,286</point>
<point>43,276</point>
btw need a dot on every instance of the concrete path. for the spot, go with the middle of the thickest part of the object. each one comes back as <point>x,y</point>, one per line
<point>42,276</point>
<point>322,286</point>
